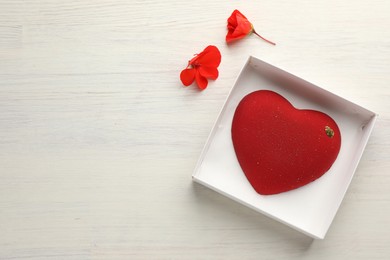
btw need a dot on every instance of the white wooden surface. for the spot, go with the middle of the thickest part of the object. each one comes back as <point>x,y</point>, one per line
<point>98,139</point>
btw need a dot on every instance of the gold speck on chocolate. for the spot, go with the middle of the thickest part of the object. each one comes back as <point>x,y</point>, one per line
<point>329,131</point>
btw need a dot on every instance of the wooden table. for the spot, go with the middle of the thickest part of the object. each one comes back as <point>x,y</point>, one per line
<point>98,138</point>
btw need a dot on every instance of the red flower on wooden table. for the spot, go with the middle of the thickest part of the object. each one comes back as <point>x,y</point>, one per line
<point>202,67</point>
<point>239,26</point>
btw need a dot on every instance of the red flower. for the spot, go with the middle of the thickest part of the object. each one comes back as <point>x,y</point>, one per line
<point>239,27</point>
<point>202,67</point>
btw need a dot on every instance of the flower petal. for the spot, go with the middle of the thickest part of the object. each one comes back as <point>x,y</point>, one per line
<point>239,16</point>
<point>244,27</point>
<point>210,57</point>
<point>232,20</point>
<point>230,37</point>
<point>209,72</point>
<point>187,76</point>
<point>201,81</point>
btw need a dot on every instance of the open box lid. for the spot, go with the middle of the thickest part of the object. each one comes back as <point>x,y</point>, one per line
<point>311,208</point>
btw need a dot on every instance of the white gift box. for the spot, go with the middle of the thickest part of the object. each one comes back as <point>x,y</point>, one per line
<point>311,208</point>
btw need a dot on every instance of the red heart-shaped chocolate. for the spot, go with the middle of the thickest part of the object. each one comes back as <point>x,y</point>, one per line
<point>280,147</point>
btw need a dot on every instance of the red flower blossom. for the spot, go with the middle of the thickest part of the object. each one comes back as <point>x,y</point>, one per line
<point>239,26</point>
<point>202,67</point>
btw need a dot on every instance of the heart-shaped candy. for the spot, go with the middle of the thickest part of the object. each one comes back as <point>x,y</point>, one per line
<point>280,147</point>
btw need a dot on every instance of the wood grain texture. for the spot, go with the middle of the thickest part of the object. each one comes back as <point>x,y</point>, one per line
<point>98,139</point>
